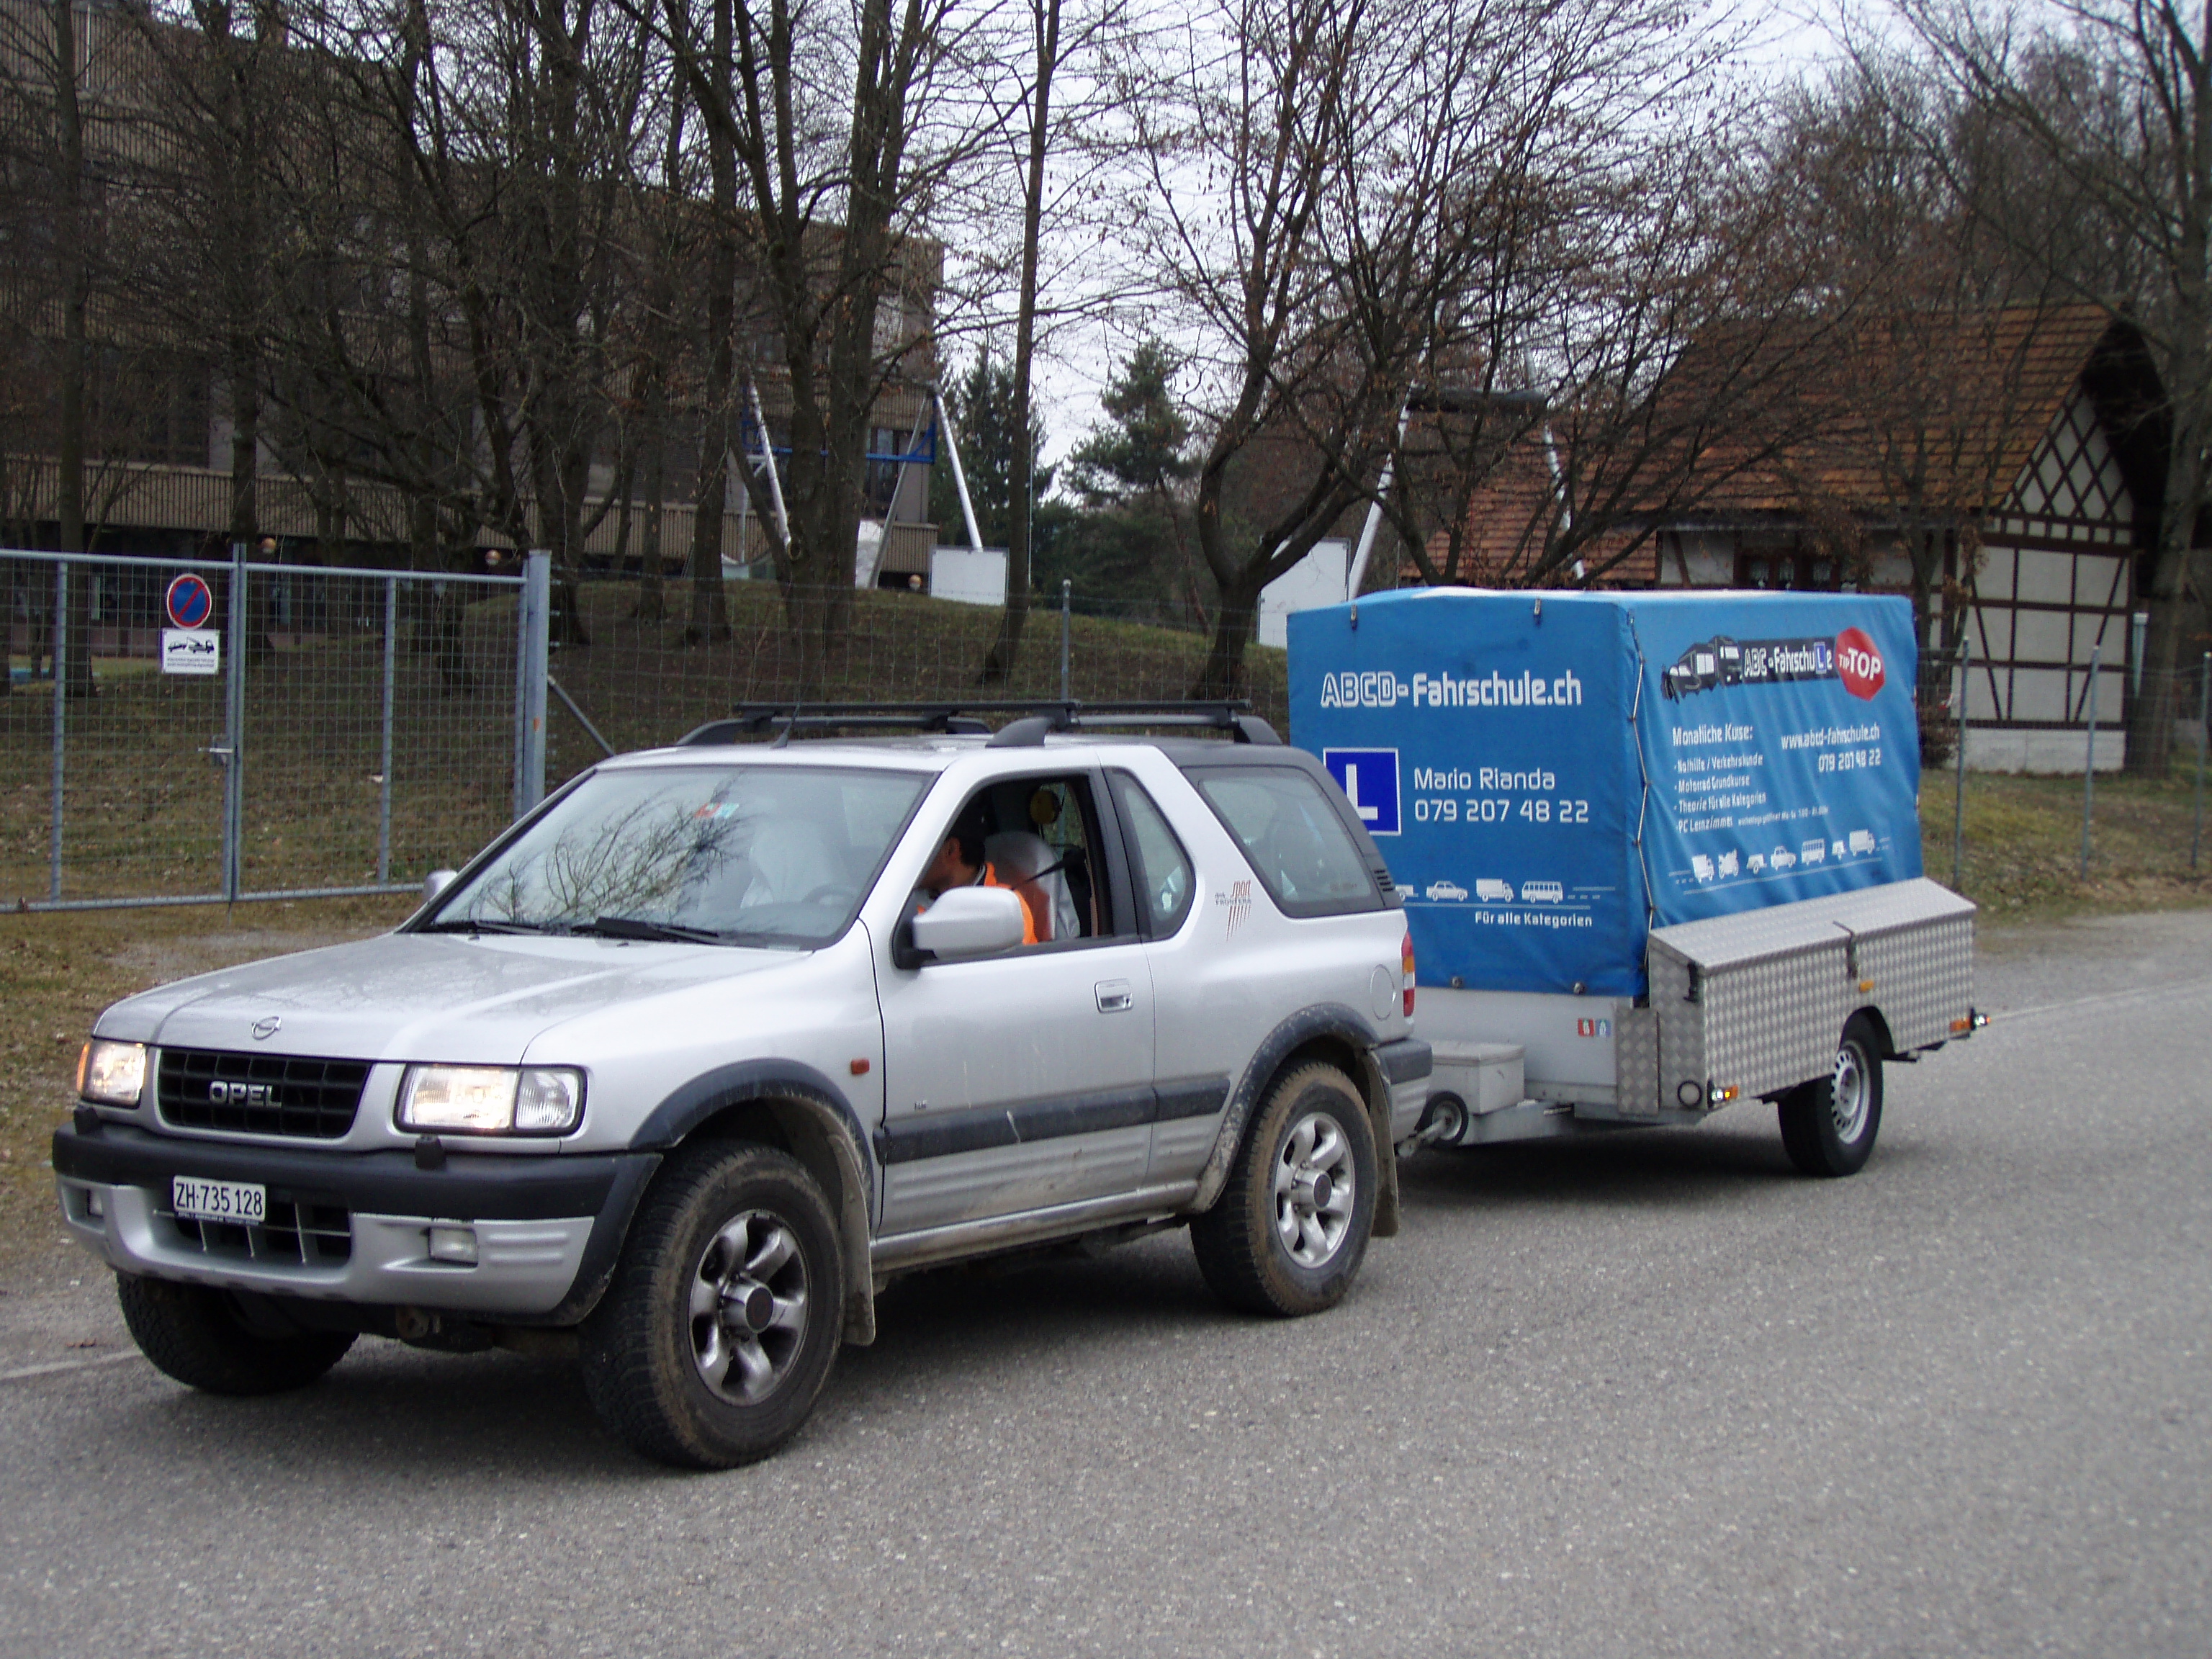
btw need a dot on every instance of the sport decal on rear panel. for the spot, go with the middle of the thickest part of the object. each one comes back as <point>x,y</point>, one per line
<point>1236,900</point>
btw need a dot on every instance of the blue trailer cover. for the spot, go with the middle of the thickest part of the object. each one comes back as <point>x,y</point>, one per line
<point>1552,774</point>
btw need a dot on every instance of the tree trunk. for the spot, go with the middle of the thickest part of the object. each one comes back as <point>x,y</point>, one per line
<point>653,581</point>
<point>709,623</point>
<point>1235,619</point>
<point>998,664</point>
<point>76,279</point>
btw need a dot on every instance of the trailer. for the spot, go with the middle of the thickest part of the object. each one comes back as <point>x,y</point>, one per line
<point>1659,852</point>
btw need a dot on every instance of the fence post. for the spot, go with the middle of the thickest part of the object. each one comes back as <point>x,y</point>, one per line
<point>2089,760</point>
<point>2203,742</point>
<point>61,725</point>
<point>532,636</point>
<point>1959,762</point>
<point>1065,587</point>
<point>391,669</point>
<point>233,780</point>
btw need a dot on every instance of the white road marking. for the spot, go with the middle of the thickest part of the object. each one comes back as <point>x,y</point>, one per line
<point>2139,993</point>
<point>49,1369</point>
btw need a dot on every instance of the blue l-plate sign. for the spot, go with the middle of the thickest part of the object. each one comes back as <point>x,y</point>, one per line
<point>1369,778</point>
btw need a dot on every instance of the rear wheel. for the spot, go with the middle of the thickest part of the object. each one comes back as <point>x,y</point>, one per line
<point>719,1331</point>
<point>1289,1229</point>
<point>1829,1125</point>
<point>201,1337</point>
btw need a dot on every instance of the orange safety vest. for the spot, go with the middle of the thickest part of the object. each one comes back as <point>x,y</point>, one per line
<point>1031,895</point>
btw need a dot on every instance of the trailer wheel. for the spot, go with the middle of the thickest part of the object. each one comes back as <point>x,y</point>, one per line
<point>1829,1125</point>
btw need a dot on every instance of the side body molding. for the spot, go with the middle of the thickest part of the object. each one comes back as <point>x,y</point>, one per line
<point>825,1135</point>
<point>1327,1021</point>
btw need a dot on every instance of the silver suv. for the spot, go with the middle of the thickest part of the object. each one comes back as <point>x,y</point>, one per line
<point>695,1059</point>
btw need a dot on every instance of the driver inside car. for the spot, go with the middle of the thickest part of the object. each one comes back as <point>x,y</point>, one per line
<point>960,862</point>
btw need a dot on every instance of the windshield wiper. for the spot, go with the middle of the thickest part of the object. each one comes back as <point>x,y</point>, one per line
<point>639,928</point>
<point>477,925</point>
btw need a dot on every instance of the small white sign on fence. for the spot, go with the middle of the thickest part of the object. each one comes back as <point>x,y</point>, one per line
<point>191,651</point>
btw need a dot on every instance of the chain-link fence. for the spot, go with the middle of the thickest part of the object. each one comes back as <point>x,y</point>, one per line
<point>631,667</point>
<point>318,732</point>
<point>359,728</point>
<point>1998,829</point>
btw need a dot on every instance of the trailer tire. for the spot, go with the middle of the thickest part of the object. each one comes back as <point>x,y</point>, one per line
<point>1829,1125</point>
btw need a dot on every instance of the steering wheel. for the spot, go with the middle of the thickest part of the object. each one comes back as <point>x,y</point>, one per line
<point>832,893</point>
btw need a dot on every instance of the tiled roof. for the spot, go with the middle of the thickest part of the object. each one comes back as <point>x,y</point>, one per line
<point>1953,408</point>
<point>1950,408</point>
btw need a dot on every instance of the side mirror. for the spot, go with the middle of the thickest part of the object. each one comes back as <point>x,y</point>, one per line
<point>437,882</point>
<point>970,922</point>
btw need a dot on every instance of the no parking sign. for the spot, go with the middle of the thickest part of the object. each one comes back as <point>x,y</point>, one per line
<point>190,648</point>
<point>190,603</point>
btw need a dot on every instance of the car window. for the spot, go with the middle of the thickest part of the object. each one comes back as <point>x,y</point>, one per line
<point>1165,879</point>
<point>755,855</point>
<point>1039,836</point>
<point>1298,845</point>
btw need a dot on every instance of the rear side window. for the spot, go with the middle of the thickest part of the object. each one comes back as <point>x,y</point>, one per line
<point>1297,846</point>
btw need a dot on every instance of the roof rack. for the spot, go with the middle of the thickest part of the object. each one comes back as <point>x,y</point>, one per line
<point>1228,715</point>
<point>1032,721</point>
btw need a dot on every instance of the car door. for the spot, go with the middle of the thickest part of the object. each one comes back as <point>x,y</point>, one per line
<point>1022,1081</point>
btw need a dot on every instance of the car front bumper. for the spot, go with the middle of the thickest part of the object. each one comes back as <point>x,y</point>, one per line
<point>355,1227</point>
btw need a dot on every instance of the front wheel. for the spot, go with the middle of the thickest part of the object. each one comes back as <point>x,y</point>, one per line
<point>1287,1235</point>
<point>719,1331</point>
<point>199,1336</point>
<point>1829,1125</point>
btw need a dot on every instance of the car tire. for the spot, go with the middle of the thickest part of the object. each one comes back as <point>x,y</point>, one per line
<point>197,1335</point>
<point>1829,1125</point>
<point>723,1319</point>
<point>1285,1237</point>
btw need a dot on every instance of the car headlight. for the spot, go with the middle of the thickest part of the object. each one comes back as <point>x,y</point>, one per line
<point>112,1073</point>
<point>490,1100</point>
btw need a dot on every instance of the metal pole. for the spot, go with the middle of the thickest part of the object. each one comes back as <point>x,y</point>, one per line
<point>1959,761</point>
<point>2089,761</point>
<point>1065,589</point>
<point>391,671</point>
<point>61,724</point>
<point>234,828</point>
<point>2203,741</point>
<point>534,633</point>
<point>959,472</point>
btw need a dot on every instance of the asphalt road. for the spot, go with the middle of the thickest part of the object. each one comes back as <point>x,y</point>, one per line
<point>1646,1395</point>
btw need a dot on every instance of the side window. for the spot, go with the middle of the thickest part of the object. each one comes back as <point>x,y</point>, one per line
<point>1298,847</point>
<point>1039,836</point>
<point>1165,879</point>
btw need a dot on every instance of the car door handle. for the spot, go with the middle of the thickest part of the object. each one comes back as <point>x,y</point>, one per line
<point>1115,997</point>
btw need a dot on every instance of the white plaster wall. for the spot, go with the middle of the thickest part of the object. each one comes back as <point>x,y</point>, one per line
<point>2045,753</point>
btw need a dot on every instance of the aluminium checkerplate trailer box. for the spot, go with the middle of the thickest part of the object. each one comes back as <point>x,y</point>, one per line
<point>1659,852</point>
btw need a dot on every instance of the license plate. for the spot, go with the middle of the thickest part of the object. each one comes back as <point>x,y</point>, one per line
<point>241,1203</point>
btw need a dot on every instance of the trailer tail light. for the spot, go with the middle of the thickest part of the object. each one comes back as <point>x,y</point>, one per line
<point>1407,950</point>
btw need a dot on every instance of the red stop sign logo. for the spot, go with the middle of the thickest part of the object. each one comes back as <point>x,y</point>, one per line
<point>1858,663</point>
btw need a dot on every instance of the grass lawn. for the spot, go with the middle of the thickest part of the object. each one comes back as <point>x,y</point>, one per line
<point>2023,845</point>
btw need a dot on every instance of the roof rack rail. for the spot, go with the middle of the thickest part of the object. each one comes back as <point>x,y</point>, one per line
<point>753,720</point>
<point>1033,720</point>
<point>1228,715</point>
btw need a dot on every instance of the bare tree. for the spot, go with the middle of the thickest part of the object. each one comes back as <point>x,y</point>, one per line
<point>828,134</point>
<point>1359,199</point>
<point>2112,100</point>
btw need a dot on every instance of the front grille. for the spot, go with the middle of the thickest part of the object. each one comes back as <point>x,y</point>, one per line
<point>259,1094</point>
<point>290,1236</point>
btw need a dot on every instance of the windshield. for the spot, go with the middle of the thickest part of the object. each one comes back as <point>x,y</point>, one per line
<point>744,854</point>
